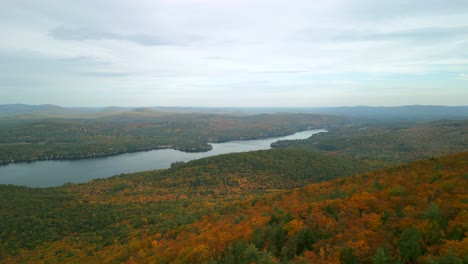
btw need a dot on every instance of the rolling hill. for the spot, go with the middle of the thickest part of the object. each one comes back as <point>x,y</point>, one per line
<point>216,210</point>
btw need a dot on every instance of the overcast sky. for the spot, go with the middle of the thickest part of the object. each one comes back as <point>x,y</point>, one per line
<point>234,52</point>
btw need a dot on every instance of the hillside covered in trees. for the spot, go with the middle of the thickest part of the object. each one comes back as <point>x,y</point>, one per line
<point>345,196</point>
<point>247,211</point>
<point>30,138</point>
<point>389,142</point>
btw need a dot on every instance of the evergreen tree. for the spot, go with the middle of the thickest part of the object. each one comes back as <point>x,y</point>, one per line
<point>409,244</point>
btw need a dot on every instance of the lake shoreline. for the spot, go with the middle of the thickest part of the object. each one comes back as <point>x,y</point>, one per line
<point>186,149</point>
<point>52,173</point>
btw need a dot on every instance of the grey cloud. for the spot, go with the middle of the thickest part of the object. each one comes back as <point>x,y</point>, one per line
<point>283,72</point>
<point>66,33</point>
<point>30,63</point>
<point>107,74</point>
<point>424,34</point>
<point>378,10</point>
<point>85,61</point>
<point>147,40</point>
<point>244,46</point>
<point>77,33</point>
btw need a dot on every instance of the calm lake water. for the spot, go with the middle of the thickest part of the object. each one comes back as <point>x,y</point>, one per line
<point>58,172</point>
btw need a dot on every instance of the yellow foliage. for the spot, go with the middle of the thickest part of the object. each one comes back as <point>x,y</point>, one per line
<point>459,247</point>
<point>374,221</point>
<point>199,254</point>
<point>294,226</point>
<point>154,243</point>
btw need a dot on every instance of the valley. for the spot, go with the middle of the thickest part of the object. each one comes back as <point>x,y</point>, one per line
<point>363,192</point>
<point>24,139</point>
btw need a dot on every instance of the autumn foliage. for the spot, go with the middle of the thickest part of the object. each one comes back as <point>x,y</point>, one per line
<point>414,213</point>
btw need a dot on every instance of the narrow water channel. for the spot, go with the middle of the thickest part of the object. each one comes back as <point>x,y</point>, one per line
<point>58,172</point>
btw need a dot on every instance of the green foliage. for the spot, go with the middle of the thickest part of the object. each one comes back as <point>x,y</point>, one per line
<point>434,234</point>
<point>381,256</point>
<point>388,142</point>
<point>397,191</point>
<point>432,213</point>
<point>347,256</point>
<point>409,244</point>
<point>164,216</point>
<point>244,253</point>
<point>449,258</point>
<point>76,138</point>
<point>305,238</point>
<point>31,217</point>
<point>276,168</point>
<point>275,237</point>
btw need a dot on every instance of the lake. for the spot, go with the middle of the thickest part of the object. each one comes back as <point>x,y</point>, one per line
<point>58,172</point>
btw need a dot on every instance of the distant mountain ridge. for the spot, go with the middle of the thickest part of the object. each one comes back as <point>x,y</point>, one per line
<point>24,108</point>
<point>8,110</point>
<point>409,111</point>
<point>424,112</point>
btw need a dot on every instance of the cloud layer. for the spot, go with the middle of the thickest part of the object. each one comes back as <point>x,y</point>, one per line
<point>234,52</point>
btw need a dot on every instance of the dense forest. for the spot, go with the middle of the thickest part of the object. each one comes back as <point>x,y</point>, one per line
<point>168,199</point>
<point>242,208</point>
<point>415,213</point>
<point>393,142</point>
<point>345,196</point>
<point>29,139</point>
